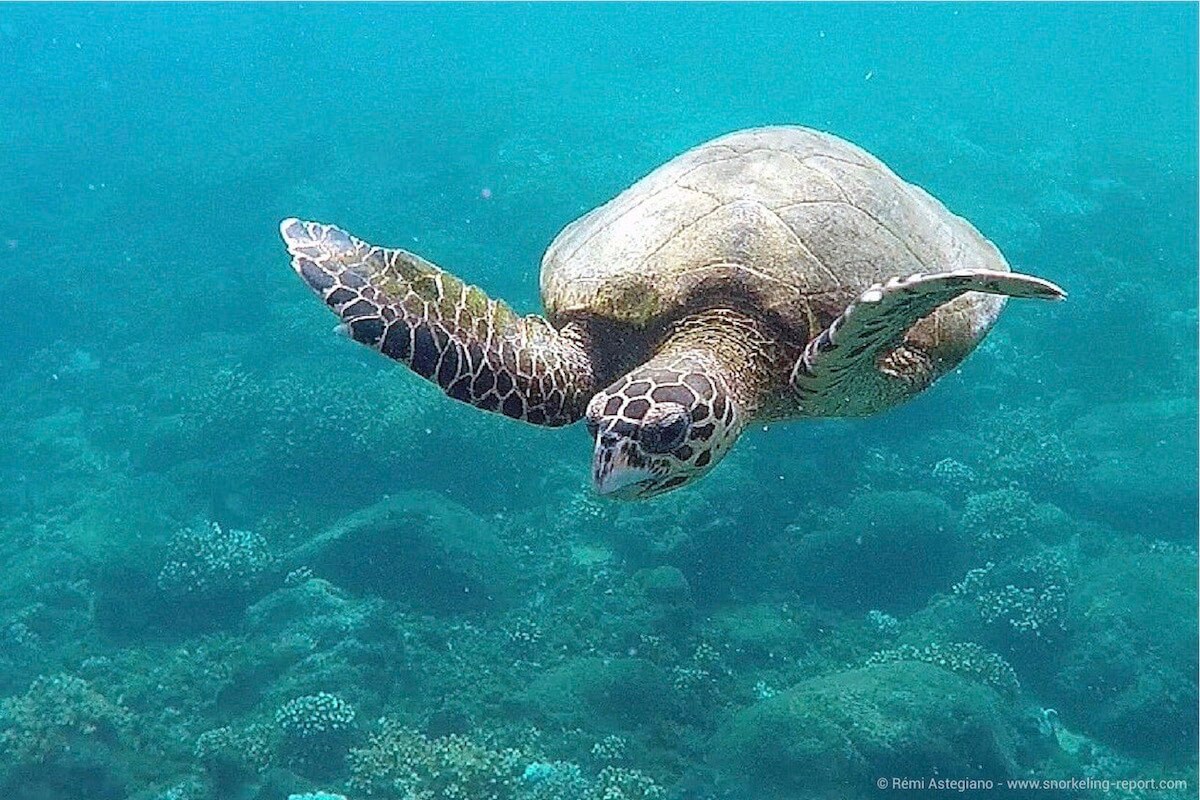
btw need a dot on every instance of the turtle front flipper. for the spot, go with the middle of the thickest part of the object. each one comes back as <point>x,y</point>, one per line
<point>476,348</point>
<point>868,358</point>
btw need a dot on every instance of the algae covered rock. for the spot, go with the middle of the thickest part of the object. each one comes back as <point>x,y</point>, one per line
<point>886,550</point>
<point>315,610</point>
<point>760,633</point>
<point>1142,473</point>
<point>903,718</point>
<point>666,593</point>
<point>1129,677</point>
<point>418,547</point>
<point>608,691</point>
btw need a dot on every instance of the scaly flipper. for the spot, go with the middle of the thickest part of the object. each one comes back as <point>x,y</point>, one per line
<point>841,370</point>
<point>477,349</point>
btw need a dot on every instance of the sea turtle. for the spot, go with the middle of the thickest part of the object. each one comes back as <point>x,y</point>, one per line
<point>771,273</point>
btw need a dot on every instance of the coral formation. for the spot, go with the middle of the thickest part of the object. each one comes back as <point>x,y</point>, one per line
<point>57,714</point>
<point>63,738</point>
<point>967,659</point>
<point>401,763</point>
<point>231,756</point>
<point>1028,596</point>
<point>995,517</point>
<point>210,563</point>
<point>314,731</point>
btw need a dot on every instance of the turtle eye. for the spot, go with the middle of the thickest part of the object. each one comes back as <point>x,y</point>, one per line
<point>665,436</point>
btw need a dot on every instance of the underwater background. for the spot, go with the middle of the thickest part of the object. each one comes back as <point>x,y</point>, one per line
<point>242,557</point>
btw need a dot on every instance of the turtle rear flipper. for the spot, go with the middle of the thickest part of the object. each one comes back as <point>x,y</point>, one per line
<point>860,363</point>
<point>475,348</point>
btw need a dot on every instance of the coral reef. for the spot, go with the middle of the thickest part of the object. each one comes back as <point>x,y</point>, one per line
<point>56,714</point>
<point>401,763</point>
<point>231,757</point>
<point>993,518</point>
<point>242,558</point>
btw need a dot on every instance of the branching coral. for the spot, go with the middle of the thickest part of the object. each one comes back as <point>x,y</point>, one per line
<point>955,475</point>
<point>555,780</point>
<point>1023,444</point>
<point>610,749</point>
<point>1028,595</point>
<point>314,728</point>
<point>998,516</point>
<point>54,716</point>
<point>229,754</point>
<point>616,783</point>
<point>403,764</point>
<point>400,763</point>
<point>962,658</point>
<point>209,562</point>
<point>560,780</point>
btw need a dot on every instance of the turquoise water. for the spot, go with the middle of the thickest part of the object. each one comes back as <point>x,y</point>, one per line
<point>243,557</point>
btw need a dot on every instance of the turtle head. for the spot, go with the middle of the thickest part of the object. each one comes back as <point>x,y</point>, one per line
<point>659,428</point>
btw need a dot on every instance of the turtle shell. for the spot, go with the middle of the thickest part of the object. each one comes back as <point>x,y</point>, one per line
<point>787,223</point>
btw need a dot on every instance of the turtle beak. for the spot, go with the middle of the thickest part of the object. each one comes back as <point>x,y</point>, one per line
<point>613,475</point>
